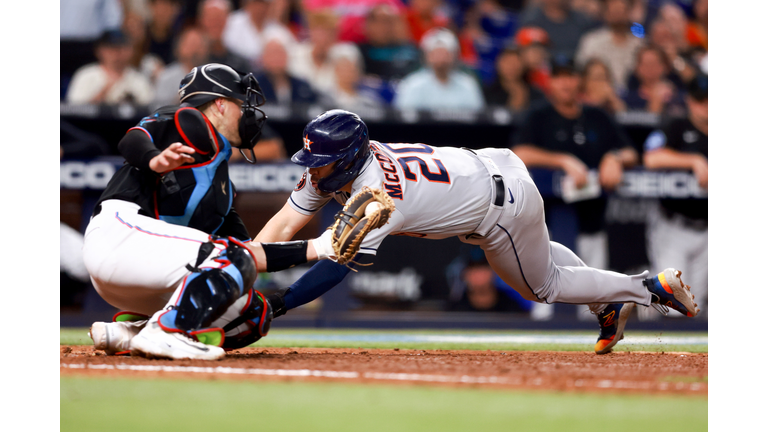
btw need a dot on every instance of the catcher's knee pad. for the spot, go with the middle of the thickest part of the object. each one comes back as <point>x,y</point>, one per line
<point>208,292</point>
<point>252,324</point>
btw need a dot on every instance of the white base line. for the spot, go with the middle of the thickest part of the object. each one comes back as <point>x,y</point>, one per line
<point>464,379</point>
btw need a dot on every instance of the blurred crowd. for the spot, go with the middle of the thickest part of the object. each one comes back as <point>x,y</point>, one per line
<point>422,54</point>
<point>584,60</point>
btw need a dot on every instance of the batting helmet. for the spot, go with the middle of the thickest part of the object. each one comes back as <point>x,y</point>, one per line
<point>336,136</point>
<point>208,82</point>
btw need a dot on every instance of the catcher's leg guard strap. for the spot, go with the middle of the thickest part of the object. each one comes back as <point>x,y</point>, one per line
<point>208,292</point>
<point>257,315</point>
<point>283,255</point>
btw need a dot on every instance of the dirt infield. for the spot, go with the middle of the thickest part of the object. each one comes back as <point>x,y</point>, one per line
<point>633,372</point>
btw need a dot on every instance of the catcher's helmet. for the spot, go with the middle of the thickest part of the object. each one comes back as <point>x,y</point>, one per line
<point>335,136</point>
<point>208,82</point>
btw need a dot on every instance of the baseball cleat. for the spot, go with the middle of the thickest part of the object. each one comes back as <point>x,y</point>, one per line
<point>115,337</point>
<point>612,321</point>
<point>153,342</point>
<point>668,291</point>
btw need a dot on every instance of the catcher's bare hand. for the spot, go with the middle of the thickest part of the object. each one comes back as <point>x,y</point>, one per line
<point>367,210</point>
<point>176,155</point>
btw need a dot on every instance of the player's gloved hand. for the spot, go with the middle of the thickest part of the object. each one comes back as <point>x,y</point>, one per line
<point>367,210</point>
<point>172,157</point>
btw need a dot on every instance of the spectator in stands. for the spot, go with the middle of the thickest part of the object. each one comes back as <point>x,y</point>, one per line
<point>510,88</point>
<point>673,46</point>
<point>279,86</point>
<point>81,23</point>
<point>163,28</point>
<point>568,136</point>
<point>149,64</point>
<point>592,9</point>
<point>440,84</point>
<point>696,30</point>
<point>352,14</point>
<point>191,51</point>
<point>350,93</point>
<point>246,30</point>
<point>424,15</point>
<point>674,17</point>
<point>682,144</point>
<point>655,92</point>
<point>564,26</point>
<point>213,15</point>
<point>614,43</point>
<point>311,60</point>
<point>490,25</point>
<point>598,89</point>
<point>553,135</point>
<point>111,80</point>
<point>384,54</point>
<point>533,43</point>
<point>475,287</point>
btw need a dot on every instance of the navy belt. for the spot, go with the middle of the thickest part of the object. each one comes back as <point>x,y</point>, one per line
<point>498,184</point>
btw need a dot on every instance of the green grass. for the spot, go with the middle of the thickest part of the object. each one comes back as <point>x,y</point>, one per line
<point>292,338</point>
<point>89,404</point>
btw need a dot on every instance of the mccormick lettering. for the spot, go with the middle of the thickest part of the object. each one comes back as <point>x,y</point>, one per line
<point>392,180</point>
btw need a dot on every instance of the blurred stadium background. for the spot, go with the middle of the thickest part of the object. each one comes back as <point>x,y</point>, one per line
<point>635,60</point>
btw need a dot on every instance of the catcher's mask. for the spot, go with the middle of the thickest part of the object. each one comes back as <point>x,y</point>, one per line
<point>208,82</point>
<point>339,137</point>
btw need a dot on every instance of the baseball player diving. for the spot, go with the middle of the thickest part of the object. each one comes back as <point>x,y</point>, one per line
<point>484,197</point>
<point>165,244</point>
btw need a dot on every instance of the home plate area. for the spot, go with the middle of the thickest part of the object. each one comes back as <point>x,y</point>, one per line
<point>633,372</point>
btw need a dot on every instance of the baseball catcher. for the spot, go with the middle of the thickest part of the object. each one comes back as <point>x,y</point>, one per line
<point>165,242</point>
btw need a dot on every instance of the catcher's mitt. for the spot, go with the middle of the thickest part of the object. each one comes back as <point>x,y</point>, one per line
<point>353,224</point>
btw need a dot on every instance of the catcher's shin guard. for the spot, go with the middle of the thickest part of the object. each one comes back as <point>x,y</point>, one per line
<point>208,292</point>
<point>251,325</point>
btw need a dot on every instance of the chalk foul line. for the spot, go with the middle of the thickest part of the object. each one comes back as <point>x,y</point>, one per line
<point>388,376</point>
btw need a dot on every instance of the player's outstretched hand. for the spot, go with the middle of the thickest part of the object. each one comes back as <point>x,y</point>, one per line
<point>172,157</point>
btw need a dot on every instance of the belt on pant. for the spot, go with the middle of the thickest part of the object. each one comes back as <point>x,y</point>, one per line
<point>497,204</point>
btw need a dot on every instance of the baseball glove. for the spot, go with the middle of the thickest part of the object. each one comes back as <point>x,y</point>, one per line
<point>367,210</point>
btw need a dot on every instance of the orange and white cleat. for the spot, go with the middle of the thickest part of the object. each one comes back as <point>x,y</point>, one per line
<point>612,321</point>
<point>668,291</point>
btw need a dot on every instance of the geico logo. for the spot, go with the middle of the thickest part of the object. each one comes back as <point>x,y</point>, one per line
<point>661,185</point>
<point>85,175</point>
<point>266,178</point>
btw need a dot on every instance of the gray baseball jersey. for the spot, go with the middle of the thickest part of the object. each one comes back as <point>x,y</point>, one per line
<point>418,179</point>
<point>487,199</point>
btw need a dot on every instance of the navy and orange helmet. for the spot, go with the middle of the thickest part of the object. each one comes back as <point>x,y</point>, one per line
<point>339,137</point>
